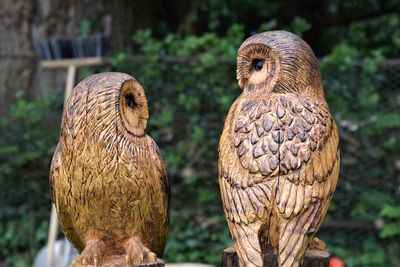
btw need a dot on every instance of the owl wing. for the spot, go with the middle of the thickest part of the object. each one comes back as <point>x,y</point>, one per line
<point>151,190</point>
<point>281,158</point>
<point>160,196</point>
<point>248,160</point>
<point>309,170</point>
<point>163,170</point>
<point>248,163</point>
<point>57,197</point>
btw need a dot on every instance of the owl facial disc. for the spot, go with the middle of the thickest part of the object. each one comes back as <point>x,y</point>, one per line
<point>279,62</point>
<point>257,67</point>
<point>133,107</point>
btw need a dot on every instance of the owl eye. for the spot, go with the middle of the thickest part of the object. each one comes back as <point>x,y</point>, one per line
<point>257,64</point>
<point>130,101</point>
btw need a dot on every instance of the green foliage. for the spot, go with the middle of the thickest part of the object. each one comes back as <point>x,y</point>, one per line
<point>192,240</point>
<point>391,229</point>
<point>388,120</point>
<point>87,27</point>
<point>365,25</point>
<point>366,208</point>
<point>28,135</point>
<point>367,35</point>
<point>299,26</point>
<point>357,94</point>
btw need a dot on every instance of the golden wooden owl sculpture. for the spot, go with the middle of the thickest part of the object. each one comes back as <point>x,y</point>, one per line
<point>279,151</point>
<point>107,178</point>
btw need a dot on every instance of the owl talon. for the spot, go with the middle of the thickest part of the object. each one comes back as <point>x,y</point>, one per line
<point>150,257</point>
<point>317,243</point>
<point>136,253</point>
<point>90,255</point>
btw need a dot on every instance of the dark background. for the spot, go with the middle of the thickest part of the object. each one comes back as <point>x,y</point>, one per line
<point>184,53</point>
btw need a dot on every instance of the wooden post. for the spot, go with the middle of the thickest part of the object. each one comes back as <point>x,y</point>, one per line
<point>51,236</point>
<point>115,261</point>
<point>312,258</point>
<point>156,264</point>
<point>71,74</point>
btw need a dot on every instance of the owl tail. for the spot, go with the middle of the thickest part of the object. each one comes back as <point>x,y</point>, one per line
<point>246,244</point>
<point>296,233</point>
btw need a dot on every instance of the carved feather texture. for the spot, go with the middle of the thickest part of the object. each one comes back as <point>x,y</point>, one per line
<point>278,161</point>
<point>106,182</point>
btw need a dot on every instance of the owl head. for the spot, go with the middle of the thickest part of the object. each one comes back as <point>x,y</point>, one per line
<point>280,62</point>
<point>112,103</point>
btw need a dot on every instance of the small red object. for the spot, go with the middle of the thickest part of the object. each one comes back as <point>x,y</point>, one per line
<point>336,262</point>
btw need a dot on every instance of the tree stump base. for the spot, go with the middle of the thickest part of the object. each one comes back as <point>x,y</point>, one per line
<point>312,258</point>
<point>119,261</point>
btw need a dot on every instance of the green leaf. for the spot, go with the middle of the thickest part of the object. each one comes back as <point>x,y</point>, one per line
<point>390,212</point>
<point>389,120</point>
<point>197,134</point>
<point>390,230</point>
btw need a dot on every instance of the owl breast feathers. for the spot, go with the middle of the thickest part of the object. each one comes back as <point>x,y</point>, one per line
<point>278,168</point>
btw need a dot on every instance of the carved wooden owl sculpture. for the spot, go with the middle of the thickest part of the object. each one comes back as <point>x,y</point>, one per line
<point>279,151</point>
<point>107,178</point>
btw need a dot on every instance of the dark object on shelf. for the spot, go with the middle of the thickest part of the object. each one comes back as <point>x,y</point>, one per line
<point>72,47</point>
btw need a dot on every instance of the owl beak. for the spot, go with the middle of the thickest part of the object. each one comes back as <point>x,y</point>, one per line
<point>144,122</point>
<point>242,83</point>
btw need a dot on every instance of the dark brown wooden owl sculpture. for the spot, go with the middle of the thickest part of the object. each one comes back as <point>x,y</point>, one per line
<point>279,151</point>
<point>107,178</point>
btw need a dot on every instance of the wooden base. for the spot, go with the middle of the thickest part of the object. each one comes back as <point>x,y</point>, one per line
<point>119,261</point>
<point>312,258</point>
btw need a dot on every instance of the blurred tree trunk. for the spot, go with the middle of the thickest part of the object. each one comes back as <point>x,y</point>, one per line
<point>17,59</point>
